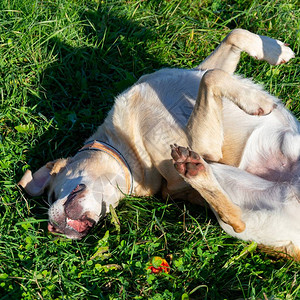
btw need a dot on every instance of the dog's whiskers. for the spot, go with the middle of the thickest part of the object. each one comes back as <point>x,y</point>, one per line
<point>48,203</point>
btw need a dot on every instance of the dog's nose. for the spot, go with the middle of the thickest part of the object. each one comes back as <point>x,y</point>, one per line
<point>79,188</point>
<point>73,206</point>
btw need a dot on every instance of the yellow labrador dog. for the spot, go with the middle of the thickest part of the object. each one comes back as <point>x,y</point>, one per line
<point>244,163</point>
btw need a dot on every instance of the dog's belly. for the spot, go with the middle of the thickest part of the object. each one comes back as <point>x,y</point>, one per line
<point>274,167</point>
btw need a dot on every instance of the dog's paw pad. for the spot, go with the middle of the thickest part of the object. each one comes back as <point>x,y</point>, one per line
<point>187,162</point>
<point>178,153</point>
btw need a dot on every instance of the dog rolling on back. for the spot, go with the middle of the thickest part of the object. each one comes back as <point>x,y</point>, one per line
<point>244,163</point>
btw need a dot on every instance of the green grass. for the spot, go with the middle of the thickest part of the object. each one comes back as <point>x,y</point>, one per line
<point>61,64</point>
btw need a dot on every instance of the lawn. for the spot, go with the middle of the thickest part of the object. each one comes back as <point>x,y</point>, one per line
<point>62,62</point>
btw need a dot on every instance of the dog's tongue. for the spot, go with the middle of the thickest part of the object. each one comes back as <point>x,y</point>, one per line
<point>79,225</point>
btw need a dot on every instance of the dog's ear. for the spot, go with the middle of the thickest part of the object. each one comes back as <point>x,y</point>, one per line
<point>35,184</point>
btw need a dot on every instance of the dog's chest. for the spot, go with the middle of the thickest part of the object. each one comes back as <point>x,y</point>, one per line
<point>171,96</point>
<point>181,109</point>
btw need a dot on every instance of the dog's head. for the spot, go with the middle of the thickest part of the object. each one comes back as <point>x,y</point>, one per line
<point>80,190</point>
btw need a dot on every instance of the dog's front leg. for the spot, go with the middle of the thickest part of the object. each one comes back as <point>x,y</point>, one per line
<point>198,174</point>
<point>227,54</point>
<point>205,125</point>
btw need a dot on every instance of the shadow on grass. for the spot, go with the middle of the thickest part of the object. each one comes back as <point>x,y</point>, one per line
<point>79,89</point>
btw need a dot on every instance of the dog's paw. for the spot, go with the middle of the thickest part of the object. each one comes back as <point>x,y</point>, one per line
<point>274,52</point>
<point>261,106</point>
<point>286,54</point>
<point>255,101</point>
<point>187,163</point>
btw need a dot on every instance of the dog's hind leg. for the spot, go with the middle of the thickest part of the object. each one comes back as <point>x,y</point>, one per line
<point>198,174</point>
<point>205,125</point>
<point>227,55</point>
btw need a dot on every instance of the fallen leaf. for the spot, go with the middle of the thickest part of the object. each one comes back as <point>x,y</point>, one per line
<point>158,265</point>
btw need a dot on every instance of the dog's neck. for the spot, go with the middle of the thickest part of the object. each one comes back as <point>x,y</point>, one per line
<point>121,132</point>
<point>95,145</point>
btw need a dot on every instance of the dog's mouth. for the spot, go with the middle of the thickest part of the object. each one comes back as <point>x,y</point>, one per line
<point>81,225</point>
<point>75,229</point>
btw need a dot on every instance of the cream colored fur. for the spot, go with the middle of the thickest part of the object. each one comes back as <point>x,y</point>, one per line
<point>224,118</point>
